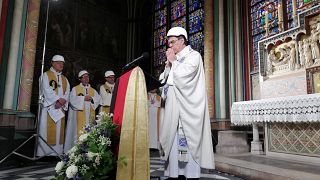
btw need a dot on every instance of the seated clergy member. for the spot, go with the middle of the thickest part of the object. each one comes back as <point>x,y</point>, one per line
<point>55,89</point>
<point>83,101</point>
<point>106,91</point>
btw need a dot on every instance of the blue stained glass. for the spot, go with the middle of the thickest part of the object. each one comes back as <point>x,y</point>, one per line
<point>196,21</point>
<point>160,18</point>
<point>180,23</point>
<point>195,4</point>
<point>258,23</point>
<point>159,4</point>
<point>178,9</point>
<point>159,56</point>
<point>197,42</point>
<point>159,37</point>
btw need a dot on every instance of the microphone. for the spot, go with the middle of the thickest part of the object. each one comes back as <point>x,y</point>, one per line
<point>145,55</point>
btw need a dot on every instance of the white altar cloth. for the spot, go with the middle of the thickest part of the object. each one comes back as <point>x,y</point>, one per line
<point>302,108</point>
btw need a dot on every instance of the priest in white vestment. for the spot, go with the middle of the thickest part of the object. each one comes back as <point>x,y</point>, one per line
<point>106,91</point>
<point>154,102</point>
<point>185,130</point>
<point>54,89</point>
<point>83,102</point>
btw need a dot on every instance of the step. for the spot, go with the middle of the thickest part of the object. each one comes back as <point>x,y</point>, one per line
<point>250,166</point>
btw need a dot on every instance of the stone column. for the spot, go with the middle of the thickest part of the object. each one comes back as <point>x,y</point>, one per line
<point>222,77</point>
<point>13,55</point>
<point>256,145</point>
<point>238,55</point>
<point>208,54</point>
<point>29,53</point>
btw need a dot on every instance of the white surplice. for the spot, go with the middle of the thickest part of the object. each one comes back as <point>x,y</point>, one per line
<point>50,97</point>
<point>106,95</point>
<point>153,105</point>
<point>186,103</point>
<point>77,103</point>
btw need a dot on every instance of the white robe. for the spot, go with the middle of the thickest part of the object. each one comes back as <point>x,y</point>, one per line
<point>49,99</point>
<point>154,105</point>
<point>186,102</point>
<point>77,103</point>
<point>106,97</point>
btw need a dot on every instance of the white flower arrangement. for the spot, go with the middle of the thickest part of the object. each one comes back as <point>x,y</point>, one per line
<point>59,166</point>
<point>94,155</point>
<point>71,171</point>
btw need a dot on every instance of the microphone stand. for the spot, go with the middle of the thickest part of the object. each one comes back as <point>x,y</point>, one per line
<point>37,136</point>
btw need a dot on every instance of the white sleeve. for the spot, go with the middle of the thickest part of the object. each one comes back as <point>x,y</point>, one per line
<point>49,95</point>
<point>76,102</point>
<point>96,100</point>
<point>105,96</point>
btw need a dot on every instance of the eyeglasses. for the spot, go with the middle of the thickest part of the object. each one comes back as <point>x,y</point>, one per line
<point>172,42</point>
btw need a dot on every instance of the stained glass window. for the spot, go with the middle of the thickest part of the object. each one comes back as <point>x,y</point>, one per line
<point>159,56</point>
<point>160,37</point>
<point>195,4</point>
<point>196,21</point>
<point>258,23</point>
<point>180,22</point>
<point>159,4</point>
<point>178,9</point>
<point>197,41</point>
<point>160,17</point>
<point>188,14</point>
<point>301,5</point>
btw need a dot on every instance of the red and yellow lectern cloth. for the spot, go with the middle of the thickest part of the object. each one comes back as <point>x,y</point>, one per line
<point>131,113</point>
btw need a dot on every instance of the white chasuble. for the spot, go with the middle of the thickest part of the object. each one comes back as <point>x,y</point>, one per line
<point>52,89</point>
<point>106,92</point>
<point>186,103</point>
<point>81,113</point>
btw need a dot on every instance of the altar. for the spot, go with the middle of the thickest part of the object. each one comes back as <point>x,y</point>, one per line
<point>288,87</point>
<point>292,124</point>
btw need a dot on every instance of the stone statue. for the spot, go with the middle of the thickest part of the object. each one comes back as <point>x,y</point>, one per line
<point>317,31</point>
<point>301,54</point>
<point>307,53</point>
<point>314,46</point>
<point>292,60</point>
<point>284,55</point>
<point>270,61</point>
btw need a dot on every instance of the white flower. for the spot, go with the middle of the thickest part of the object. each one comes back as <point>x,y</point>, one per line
<point>77,159</point>
<point>59,166</point>
<point>84,169</point>
<point>108,142</point>
<point>83,137</point>
<point>97,160</point>
<point>98,121</point>
<point>72,150</point>
<point>91,155</point>
<point>71,171</point>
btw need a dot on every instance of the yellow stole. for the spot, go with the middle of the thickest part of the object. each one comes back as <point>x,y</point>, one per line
<point>51,125</point>
<point>81,114</point>
<point>134,138</point>
<point>106,109</point>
